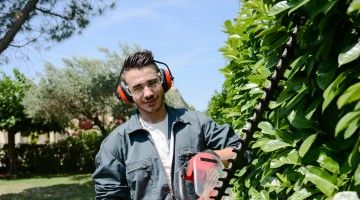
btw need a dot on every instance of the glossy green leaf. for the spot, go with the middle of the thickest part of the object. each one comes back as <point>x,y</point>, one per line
<point>249,86</point>
<point>234,36</point>
<point>266,128</point>
<point>259,65</point>
<point>284,135</point>
<point>231,57</point>
<point>350,95</point>
<point>352,54</point>
<point>256,91</point>
<point>357,106</point>
<point>333,89</point>
<point>353,159</point>
<point>260,142</point>
<point>296,65</point>
<point>350,130</point>
<point>254,193</point>
<point>291,158</point>
<point>324,79</point>
<point>284,180</point>
<point>314,105</point>
<point>285,95</point>
<point>346,195</point>
<point>297,98</point>
<point>270,30</point>
<point>298,120</point>
<point>326,183</point>
<point>354,6</point>
<point>279,7</point>
<point>300,4</point>
<point>346,120</point>
<point>357,175</point>
<point>264,195</point>
<point>328,163</point>
<point>273,104</point>
<point>247,184</point>
<point>300,195</point>
<point>274,145</point>
<point>305,146</point>
<point>228,25</point>
<point>323,7</point>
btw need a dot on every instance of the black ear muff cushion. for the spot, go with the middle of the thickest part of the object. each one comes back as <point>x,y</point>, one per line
<point>167,79</point>
<point>122,93</point>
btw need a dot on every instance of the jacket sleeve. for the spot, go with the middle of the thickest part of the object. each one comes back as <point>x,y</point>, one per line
<point>218,136</point>
<point>109,176</point>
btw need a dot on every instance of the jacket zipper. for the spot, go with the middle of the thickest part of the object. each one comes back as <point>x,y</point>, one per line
<point>162,166</point>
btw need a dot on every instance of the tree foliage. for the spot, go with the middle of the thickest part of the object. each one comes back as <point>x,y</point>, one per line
<point>12,113</point>
<point>24,22</point>
<point>173,98</point>
<point>83,89</point>
<point>12,91</point>
<point>307,147</point>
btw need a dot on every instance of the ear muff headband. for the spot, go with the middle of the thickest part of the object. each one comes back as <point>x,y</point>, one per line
<point>123,94</point>
<point>166,75</point>
<point>167,79</point>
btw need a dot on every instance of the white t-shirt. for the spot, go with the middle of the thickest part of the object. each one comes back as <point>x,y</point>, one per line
<point>159,133</point>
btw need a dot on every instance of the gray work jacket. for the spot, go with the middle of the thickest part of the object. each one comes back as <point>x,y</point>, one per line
<point>128,165</point>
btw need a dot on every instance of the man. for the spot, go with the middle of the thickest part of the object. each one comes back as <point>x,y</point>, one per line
<point>139,159</point>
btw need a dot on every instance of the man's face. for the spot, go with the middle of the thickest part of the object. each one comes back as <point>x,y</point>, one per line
<point>144,85</point>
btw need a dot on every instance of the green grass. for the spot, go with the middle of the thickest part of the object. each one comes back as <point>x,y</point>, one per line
<point>59,187</point>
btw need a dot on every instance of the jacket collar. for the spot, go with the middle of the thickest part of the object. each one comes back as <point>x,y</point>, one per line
<point>174,115</point>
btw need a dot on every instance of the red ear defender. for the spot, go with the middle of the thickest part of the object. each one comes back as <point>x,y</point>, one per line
<point>167,79</point>
<point>166,76</point>
<point>122,93</point>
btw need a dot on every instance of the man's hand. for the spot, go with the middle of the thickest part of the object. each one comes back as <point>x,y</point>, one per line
<point>225,155</point>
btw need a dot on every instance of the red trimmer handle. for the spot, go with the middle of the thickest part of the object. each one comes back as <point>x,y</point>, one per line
<point>181,185</point>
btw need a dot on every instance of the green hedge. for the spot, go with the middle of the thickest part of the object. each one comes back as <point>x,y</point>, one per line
<point>71,155</point>
<point>307,146</point>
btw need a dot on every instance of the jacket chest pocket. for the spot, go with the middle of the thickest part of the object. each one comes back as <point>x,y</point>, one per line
<point>140,177</point>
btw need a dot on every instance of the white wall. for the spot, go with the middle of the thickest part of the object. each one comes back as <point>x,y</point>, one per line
<point>51,138</point>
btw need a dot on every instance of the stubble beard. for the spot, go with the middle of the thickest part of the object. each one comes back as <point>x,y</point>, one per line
<point>155,109</point>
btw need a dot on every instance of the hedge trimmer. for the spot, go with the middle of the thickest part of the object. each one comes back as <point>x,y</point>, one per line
<point>211,179</point>
<point>203,170</point>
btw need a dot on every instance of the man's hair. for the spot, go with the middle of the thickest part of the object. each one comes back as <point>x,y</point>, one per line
<point>138,60</point>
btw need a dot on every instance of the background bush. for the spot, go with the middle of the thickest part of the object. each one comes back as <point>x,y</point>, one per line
<point>71,155</point>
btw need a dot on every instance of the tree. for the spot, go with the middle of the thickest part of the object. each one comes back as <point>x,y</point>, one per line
<point>12,115</point>
<point>173,98</point>
<point>82,89</point>
<point>307,146</point>
<point>48,20</point>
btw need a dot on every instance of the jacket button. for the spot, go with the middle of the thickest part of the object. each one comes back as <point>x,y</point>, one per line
<point>144,166</point>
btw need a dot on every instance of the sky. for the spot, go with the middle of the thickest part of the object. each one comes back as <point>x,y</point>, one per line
<point>185,34</point>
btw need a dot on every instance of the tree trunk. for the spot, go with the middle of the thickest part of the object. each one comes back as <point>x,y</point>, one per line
<point>99,124</point>
<point>12,153</point>
<point>20,19</point>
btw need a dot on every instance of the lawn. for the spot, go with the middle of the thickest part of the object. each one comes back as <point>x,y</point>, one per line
<point>59,187</point>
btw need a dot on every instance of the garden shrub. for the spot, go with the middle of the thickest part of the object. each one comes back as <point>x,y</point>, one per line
<point>71,155</point>
<point>307,146</point>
